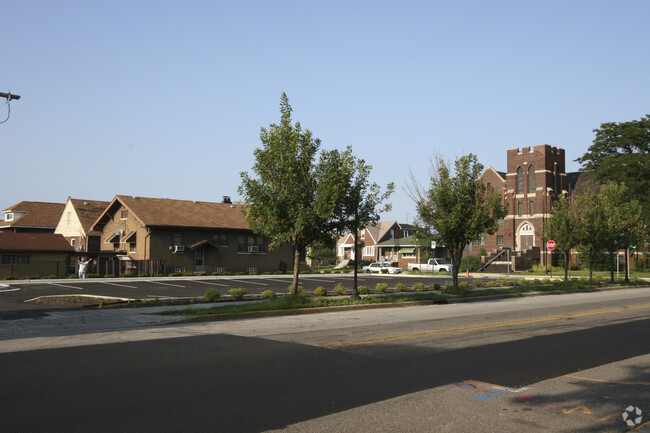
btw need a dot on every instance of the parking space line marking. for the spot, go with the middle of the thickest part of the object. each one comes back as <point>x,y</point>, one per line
<point>212,284</point>
<point>318,280</point>
<point>63,285</point>
<point>164,284</point>
<point>8,289</point>
<point>120,285</point>
<point>250,282</point>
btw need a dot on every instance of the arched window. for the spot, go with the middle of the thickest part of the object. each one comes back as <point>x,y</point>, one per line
<point>531,178</point>
<point>520,180</point>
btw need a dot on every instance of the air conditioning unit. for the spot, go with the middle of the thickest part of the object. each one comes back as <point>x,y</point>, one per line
<point>179,248</point>
<point>253,249</point>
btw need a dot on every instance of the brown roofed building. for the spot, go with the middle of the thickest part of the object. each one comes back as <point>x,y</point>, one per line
<point>33,254</point>
<point>76,221</point>
<point>32,217</point>
<point>186,236</point>
<point>370,236</point>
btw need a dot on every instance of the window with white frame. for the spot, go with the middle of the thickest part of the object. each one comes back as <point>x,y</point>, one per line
<point>369,251</point>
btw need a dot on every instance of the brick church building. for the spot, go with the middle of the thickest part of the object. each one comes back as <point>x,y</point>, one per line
<point>536,176</point>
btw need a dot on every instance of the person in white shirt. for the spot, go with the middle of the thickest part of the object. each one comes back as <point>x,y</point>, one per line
<point>83,267</point>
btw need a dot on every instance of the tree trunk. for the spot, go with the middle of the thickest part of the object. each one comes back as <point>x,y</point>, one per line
<point>591,266</point>
<point>567,256</point>
<point>611,267</point>
<point>296,270</point>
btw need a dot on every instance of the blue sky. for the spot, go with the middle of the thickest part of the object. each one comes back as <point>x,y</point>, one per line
<point>167,98</point>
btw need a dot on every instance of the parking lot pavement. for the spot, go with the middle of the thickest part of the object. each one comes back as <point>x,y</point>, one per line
<point>610,398</point>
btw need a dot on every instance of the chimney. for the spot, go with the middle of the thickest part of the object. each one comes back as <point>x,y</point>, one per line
<point>226,199</point>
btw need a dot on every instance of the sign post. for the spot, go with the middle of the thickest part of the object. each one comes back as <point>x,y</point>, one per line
<point>550,245</point>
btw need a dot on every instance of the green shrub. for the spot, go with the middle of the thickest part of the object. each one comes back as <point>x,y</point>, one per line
<point>449,285</point>
<point>401,287</point>
<point>384,271</point>
<point>479,283</point>
<point>92,276</point>
<point>238,293</point>
<point>269,294</point>
<point>51,277</point>
<point>320,291</point>
<point>464,286</point>
<point>111,276</point>
<point>10,278</point>
<point>492,283</point>
<point>340,289</point>
<point>364,290</point>
<point>34,277</point>
<point>211,294</point>
<point>434,286</point>
<point>502,282</point>
<point>73,276</point>
<point>143,275</point>
<point>202,274</point>
<point>417,287</point>
<point>381,287</point>
<point>471,262</point>
<point>299,292</point>
<point>524,282</point>
<point>158,275</point>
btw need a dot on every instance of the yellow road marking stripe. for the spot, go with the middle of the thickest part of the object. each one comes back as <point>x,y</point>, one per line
<point>609,381</point>
<point>337,344</point>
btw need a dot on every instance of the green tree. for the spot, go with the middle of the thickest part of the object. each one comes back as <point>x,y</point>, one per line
<point>293,200</point>
<point>590,230</point>
<point>457,206</point>
<point>563,227</point>
<point>362,204</point>
<point>621,153</point>
<point>622,221</point>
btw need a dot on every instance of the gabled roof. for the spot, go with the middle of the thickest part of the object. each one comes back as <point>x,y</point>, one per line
<point>35,215</point>
<point>10,241</point>
<point>164,212</point>
<point>409,241</point>
<point>379,229</point>
<point>501,174</point>
<point>88,211</point>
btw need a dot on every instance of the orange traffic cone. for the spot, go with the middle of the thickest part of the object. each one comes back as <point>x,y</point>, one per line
<point>467,274</point>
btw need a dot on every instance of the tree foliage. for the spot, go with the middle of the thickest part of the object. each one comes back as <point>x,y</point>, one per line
<point>562,227</point>
<point>596,222</point>
<point>293,199</point>
<point>457,206</point>
<point>363,201</point>
<point>621,153</point>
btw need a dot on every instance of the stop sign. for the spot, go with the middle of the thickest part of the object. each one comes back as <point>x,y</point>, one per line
<point>550,245</point>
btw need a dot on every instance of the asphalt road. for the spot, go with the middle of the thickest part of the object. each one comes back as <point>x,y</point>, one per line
<point>14,293</point>
<point>314,371</point>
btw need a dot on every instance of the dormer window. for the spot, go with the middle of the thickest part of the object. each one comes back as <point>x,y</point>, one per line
<point>124,215</point>
<point>9,217</point>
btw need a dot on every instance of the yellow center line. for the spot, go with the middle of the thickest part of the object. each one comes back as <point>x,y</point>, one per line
<point>608,381</point>
<point>359,342</point>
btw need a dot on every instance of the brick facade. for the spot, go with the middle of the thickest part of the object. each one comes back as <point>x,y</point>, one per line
<point>536,176</point>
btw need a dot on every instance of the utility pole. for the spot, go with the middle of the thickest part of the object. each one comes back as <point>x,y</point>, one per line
<point>9,97</point>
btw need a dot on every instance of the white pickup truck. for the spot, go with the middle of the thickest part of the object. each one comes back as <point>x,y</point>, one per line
<point>433,265</point>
